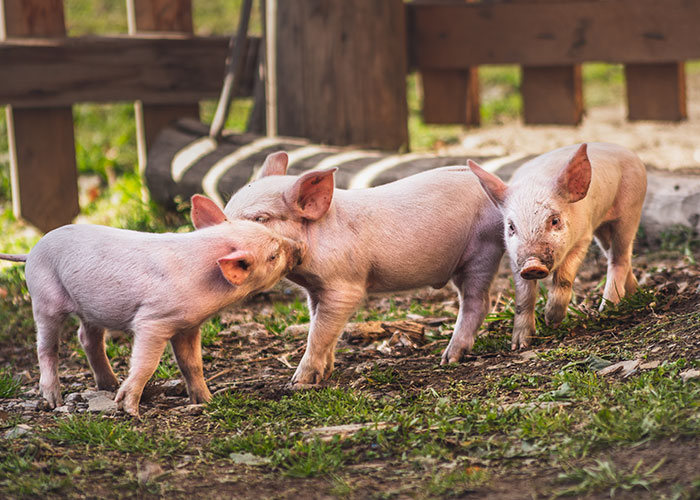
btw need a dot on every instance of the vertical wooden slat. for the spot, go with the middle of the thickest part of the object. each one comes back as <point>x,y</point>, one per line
<point>451,96</point>
<point>42,143</point>
<point>341,71</point>
<point>159,15</point>
<point>552,95</point>
<point>656,91</point>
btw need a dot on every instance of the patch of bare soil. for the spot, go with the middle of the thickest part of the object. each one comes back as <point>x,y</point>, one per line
<point>248,358</point>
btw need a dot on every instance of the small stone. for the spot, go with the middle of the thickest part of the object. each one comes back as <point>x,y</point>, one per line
<point>297,330</point>
<point>89,395</point>
<point>174,387</point>
<point>689,374</point>
<point>102,404</point>
<point>148,471</point>
<point>74,397</point>
<point>18,431</point>
<point>30,405</point>
<point>626,368</point>
<point>62,409</point>
<point>248,459</point>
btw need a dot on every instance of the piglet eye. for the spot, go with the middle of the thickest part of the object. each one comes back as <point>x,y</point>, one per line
<point>272,257</point>
<point>555,221</point>
<point>261,218</point>
<point>511,228</point>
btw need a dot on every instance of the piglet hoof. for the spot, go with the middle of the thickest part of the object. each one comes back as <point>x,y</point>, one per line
<point>109,385</point>
<point>451,355</point>
<point>52,395</point>
<point>128,403</point>
<point>201,396</point>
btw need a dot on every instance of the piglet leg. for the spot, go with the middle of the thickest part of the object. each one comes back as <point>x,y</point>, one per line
<point>524,321</point>
<point>47,339</point>
<point>562,283</point>
<point>473,285</point>
<point>616,241</point>
<point>149,344</point>
<point>330,310</point>
<point>92,339</point>
<point>187,347</point>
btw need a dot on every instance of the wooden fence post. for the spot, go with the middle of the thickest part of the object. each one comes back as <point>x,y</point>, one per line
<point>552,94</point>
<point>159,15</point>
<point>41,140</point>
<point>656,91</point>
<point>451,96</point>
<point>341,72</point>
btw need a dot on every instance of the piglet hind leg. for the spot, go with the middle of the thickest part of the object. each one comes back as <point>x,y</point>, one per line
<point>562,284</point>
<point>331,309</point>
<point>92,338</point>
<point>187,348</point>
<point>473,285</point>
<point>149,344</point>
<point>617,241</point>
<point>47,340</point>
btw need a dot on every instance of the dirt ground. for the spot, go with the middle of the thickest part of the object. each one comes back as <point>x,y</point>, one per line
<point>250,359</point>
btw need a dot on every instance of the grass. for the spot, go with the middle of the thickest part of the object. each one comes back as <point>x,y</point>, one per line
<point>606,476</point>
<point>10,387</point>
<point>112,435</point>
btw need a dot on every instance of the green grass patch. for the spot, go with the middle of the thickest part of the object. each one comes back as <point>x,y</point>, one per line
<point>114,435</point>
<point>606,476</point>
<point>10,387</point>
<point>284,315</point>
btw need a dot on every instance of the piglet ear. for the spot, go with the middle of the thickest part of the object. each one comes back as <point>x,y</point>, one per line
<point>236,266</point>
<point>494,186</point>
<point>205,212</point>
<point>575,179</point>
<point>311,195</point>
<point>275,164</point>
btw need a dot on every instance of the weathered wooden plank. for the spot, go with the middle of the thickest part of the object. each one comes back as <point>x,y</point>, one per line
<point>41,141</point>
<point>656,91</point>
<point>552,95</point>
<point>159,16</point>
<point>168,69</point>
<point>341,71</point>
<point>548,34</point>
<point>451,96</point>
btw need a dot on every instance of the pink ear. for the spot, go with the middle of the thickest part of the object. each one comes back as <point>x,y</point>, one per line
<point>312,193</point>
<point>275,164</point>
<point>575,179</point>
<point>205,212</point>
<point>236,266</point>
<point>494,187</point>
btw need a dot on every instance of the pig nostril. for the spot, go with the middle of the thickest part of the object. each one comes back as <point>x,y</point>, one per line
<point>534,273</point>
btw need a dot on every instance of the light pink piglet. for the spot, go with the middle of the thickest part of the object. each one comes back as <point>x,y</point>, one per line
<point>160,287</point>
<point>423,230</point>
<point>552,209</point>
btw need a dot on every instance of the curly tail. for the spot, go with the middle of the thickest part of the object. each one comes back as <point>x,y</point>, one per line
<point>14,257</point>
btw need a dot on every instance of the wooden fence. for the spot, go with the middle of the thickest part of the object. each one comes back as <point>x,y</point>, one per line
<point>341,71</point>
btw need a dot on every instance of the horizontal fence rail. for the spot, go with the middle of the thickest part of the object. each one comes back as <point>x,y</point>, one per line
<point>157,69</point>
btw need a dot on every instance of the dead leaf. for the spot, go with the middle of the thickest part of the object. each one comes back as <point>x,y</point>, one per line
<point>626,368</point>
<point>343,431</point>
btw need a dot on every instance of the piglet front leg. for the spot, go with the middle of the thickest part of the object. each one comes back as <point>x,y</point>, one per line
<point>187,347</point>
<point>149,344</point>
<point>524,321</point>
<point>330,310</point>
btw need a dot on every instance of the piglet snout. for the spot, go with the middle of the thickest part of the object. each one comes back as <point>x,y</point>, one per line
<point>533,269</point>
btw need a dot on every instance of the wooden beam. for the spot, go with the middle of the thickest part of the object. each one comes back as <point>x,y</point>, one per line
<point>157,16</point>
<point>451,96</point>
<point>341,72</point>
<point>656,91</point>
<point>168,69</point>
<point>449,36</point>
<point>552,95</point>
<point>41,141</point>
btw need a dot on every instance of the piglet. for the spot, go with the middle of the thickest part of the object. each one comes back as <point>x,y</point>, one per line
<point>552,209</point>
<point>423,230</point>
<point>160,287</point>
